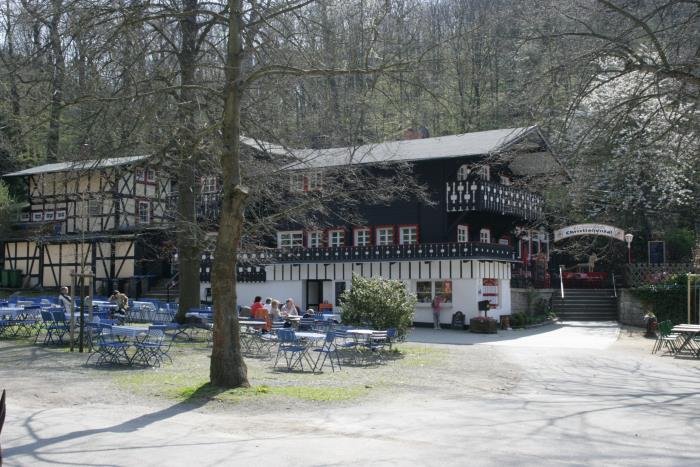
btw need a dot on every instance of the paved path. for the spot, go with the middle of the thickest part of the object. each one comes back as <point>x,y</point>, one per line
<point>583,400</point>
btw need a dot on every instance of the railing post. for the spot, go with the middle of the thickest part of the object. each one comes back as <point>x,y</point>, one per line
<point>614,287</point>
<point>561,282</point>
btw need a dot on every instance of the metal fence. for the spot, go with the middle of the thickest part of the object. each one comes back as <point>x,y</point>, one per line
<point>643,274</point>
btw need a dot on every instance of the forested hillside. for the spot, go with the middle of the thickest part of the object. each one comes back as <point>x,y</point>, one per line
<point>614,83</point>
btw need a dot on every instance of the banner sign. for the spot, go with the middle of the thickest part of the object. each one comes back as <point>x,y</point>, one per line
<point>589,229</point>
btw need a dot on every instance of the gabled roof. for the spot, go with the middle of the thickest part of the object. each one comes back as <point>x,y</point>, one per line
<point>77,165</point>
<point>467,144</point>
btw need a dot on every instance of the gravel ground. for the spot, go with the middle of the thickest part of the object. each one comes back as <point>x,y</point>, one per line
<point>567,394</point>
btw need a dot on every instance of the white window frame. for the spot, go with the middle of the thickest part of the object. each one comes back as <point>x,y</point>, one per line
<point>290,238</point>
<point>314,238</point>
<point>505,180</point>
<point>463,172</point>
<point>412,231</point>
<point>49,215</point>
<point>150,175</point>
<point>297,182</point>
<point>139,206</point>
<point>384,236</point>
<point>336,237</point>
<point>366,234</point>
<point>485,235</point>
<point>485,173</point>
<point>94,207</point>
<point>314,181</point>
<point>462,233</point>
<point>37,216</point>
<point>208,185</point>
<point>25,217</point>
<point>140,175</point>
<point>60,214</point>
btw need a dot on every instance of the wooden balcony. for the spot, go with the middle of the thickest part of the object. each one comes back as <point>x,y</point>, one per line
<point>423,251</point>
<point>479,196</point>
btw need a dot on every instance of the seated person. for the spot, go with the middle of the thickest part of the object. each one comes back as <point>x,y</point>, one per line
<point>122,302</point>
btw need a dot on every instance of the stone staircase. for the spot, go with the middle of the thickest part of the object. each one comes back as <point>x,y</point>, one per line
<point>585,305</point>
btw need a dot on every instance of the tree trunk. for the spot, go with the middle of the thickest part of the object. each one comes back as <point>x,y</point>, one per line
<point>227,366</point>
<point>189,248</point>
<point>57,79</point>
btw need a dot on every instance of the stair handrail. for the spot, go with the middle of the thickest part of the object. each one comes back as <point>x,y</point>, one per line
<point>561,281</point>
<point>614,286</point>
<point>171,283</point>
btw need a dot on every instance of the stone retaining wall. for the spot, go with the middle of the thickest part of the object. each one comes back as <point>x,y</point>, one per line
<point>630,309</point>
<point>519,297</point>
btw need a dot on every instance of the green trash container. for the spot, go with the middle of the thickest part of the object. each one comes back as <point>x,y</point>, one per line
<point>4,274</point>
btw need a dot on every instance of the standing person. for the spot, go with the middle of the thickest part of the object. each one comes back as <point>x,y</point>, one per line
<point>437,302</point>
<point>64,299</point>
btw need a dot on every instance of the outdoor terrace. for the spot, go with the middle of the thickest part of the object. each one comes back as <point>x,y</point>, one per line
<point>476,195</point>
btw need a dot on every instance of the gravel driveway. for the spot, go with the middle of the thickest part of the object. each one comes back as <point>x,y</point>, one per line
<point>567,394</point>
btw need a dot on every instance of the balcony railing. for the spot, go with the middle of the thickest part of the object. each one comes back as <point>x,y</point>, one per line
<point>476,195</point>
<point>423,251</point>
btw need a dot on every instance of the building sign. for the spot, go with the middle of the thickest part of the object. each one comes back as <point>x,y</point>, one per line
<point>589,229</point>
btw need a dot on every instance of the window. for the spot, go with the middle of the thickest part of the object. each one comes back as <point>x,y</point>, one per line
<point>505,180</point>
<point>37,216</point>
<point>339,290</point>
<point>485,236</point>
<point>362,237</point>
<point>94,207</point>
<point>290,239</point>
<point>144,212</point>
<point>385,235</point>
<point>462,233</point>
<point>336,238</point>
<point>504,241</point>
<point>314,239</point>
<point>48,215</point>
<point>24,217</point>
<point>151,175</point>
<point>444,289</point>
<point>209,185</point>
<point>463,172</point>
<point>408,235</point>
<point>485,173</point>
<point>424,291</point>
<point>60,214</point>
<point>296,182</point>
<point>490,291</point>
<point>314,181</point>
<point>140,175</point>
<point>427,290</point>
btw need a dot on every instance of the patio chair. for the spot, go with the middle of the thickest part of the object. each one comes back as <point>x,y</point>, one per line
<point>376,343</point>
<point>152,349</point>
<point>306,324</point>
<point>328,350</point>
<point>109,349</point>
<point>347,345</point>
<point>666,338</point>
<point>290,349</point>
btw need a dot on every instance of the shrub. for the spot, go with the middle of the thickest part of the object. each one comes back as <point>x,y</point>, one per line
<point>380,302</point>
<point>668,300</point>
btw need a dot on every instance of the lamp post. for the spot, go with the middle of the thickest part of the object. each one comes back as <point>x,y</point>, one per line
<point>628,239</point>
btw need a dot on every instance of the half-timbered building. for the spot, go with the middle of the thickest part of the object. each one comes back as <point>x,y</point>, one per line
<point>483,223</point>
<point>102,215</point>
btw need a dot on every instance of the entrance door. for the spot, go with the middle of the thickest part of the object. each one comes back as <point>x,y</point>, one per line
<point>314,294</point>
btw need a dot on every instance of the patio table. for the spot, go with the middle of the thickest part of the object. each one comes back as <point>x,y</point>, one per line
<point>128,332</point>
<point>688,332</point>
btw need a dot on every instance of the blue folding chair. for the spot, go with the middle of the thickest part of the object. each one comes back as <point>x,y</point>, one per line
<point>290,349</point>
